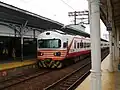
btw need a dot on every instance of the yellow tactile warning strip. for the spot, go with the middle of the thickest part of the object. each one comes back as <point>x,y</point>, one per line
<point>109,80</point>
<point>16,64</point>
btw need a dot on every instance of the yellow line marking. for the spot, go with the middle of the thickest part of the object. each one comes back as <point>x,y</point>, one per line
<point>16,64</point>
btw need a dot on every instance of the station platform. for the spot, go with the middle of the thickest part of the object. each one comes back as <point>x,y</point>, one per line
<point>16,68</point>
<point>110,81</point>
<point>15,64</point>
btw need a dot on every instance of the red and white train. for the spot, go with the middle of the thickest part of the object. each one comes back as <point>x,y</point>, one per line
<point>55,49</point>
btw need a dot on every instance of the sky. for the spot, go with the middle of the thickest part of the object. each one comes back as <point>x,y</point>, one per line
<point>55,9</point>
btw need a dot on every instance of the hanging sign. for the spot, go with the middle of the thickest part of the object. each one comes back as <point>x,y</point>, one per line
<point>109,26</point>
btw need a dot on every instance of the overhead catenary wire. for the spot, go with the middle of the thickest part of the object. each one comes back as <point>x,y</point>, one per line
<point>67,4</point>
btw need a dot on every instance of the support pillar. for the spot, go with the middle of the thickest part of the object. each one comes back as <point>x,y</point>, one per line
<point>95,44</point>
<point>117,45</point>
<point>34,34</point>
<point>111,52</point>
<point>21,47</point>
<point>111,35</point>
<point>114,38</point>
<point>113,46</point>
<point>117,50</point>
<point>22,33</point>
<point>15,32</point>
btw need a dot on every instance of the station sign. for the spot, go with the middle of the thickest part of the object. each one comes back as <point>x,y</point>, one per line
<point>109,26</point>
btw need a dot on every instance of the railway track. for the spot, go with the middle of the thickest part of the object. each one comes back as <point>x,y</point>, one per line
<point>11,82</point>
<point>68,82</point>
<point>52,81</point>
<point>20,80</point>
<point>20,74</point>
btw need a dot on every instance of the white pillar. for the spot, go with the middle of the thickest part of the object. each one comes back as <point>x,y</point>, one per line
<point>114,38</point>
<point>111,52</point>
<point>111,33</point>
<point>117,44</point>
<point>21,47</point>
<point>113,47</point>
<point>95,44</point>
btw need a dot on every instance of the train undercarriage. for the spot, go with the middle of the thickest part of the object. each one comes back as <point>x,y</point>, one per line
<point>48,63</point>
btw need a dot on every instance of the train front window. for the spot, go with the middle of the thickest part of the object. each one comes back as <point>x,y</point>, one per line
<point>49,43</point>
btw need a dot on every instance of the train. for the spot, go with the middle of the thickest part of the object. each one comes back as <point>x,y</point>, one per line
<point>56,49</point>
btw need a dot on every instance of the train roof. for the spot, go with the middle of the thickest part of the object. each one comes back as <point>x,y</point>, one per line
<point>74,31</point>
<point>66,34</point>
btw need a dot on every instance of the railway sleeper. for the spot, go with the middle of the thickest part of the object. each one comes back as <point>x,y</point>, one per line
<point>61,88</point>
<point>65,85</point>
<point>69,83</point>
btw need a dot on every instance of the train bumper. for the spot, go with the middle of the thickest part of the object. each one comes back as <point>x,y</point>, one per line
<point>49,63</point>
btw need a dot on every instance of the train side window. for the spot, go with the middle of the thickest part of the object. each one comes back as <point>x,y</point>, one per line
<point>65,44</point>
<point>74,44</point>
<point>77,45</point>
<point>81,44</point>
<point>88,45</point>
<point>59,42</point>
<point>84,45</point>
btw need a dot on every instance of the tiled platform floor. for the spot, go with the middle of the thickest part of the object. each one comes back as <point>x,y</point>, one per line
<point>110,81</point>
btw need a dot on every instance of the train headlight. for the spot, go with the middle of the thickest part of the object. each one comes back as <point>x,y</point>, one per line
<point>40,53</point>
<point>57,54</point>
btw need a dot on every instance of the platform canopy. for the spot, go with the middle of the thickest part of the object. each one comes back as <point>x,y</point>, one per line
<point>115,11</point>
<point>11,14</point>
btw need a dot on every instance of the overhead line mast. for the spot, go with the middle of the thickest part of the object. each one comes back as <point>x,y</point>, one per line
<point>83,15</point>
